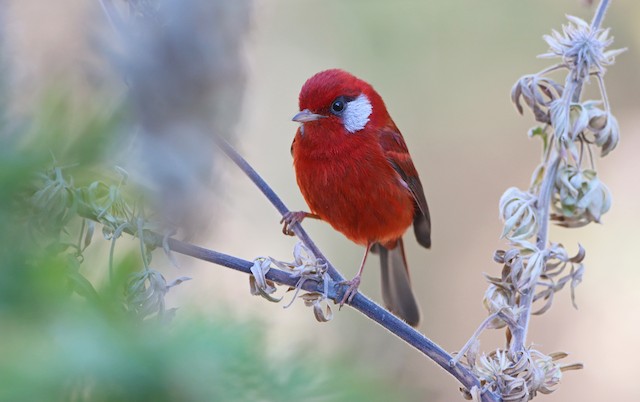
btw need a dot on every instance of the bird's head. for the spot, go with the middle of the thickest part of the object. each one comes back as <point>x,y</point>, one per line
<point>335,100</point>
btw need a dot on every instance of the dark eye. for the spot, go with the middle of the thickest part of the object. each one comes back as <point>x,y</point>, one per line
<point>337,106</point>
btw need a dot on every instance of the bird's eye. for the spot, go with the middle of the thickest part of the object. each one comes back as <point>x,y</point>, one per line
<point>337,106</point>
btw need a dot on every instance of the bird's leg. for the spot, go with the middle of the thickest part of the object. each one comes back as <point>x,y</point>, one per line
<point>291,218</point>
<point>355,282</point>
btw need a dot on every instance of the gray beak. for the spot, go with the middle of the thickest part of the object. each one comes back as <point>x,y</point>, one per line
<point>306,115</point>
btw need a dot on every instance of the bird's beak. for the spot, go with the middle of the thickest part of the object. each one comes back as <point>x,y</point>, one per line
<point>306,115</point>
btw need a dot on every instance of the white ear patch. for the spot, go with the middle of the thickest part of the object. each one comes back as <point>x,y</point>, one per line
<point>356,114</point>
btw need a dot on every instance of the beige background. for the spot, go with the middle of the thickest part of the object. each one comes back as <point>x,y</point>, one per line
<point>445,70</point>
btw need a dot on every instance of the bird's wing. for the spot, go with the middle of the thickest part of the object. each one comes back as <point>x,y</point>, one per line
<point>397,154</point>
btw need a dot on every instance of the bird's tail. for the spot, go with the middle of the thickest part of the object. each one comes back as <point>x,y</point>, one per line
<point>396,284</point>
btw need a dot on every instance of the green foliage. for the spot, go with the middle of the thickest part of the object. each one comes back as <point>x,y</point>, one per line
<point>80,354</point>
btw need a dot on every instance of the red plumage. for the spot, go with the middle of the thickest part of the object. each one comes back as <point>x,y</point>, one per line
<point>355,172</point>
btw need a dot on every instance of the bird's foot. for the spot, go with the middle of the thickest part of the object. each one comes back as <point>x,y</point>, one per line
<point>351,291</point>
<point>291,218</point>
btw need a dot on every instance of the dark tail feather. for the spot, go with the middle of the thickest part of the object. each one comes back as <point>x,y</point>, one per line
<point>396,284</point>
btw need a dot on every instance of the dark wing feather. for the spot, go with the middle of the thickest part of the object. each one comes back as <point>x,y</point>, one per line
<point>398,156</point>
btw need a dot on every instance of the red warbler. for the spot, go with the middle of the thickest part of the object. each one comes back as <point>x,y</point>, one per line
<point>355,172</point>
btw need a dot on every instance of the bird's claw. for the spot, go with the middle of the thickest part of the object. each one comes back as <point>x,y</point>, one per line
<point>291,218</point>
<point>351,291</point>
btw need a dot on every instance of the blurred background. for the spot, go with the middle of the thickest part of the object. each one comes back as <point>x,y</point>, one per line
<point>444,69</point>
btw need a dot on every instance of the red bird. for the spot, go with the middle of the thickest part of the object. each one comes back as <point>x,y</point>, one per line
<point>355,172</point>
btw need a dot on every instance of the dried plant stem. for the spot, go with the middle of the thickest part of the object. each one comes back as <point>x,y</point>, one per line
<point>519,332</point>
<point>474,338</point>
<point>600,13</point>
<point>603,93</point>
<point>544,203</point>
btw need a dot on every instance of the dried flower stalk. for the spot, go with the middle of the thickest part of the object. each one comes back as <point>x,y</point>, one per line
<point>566,190</point>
